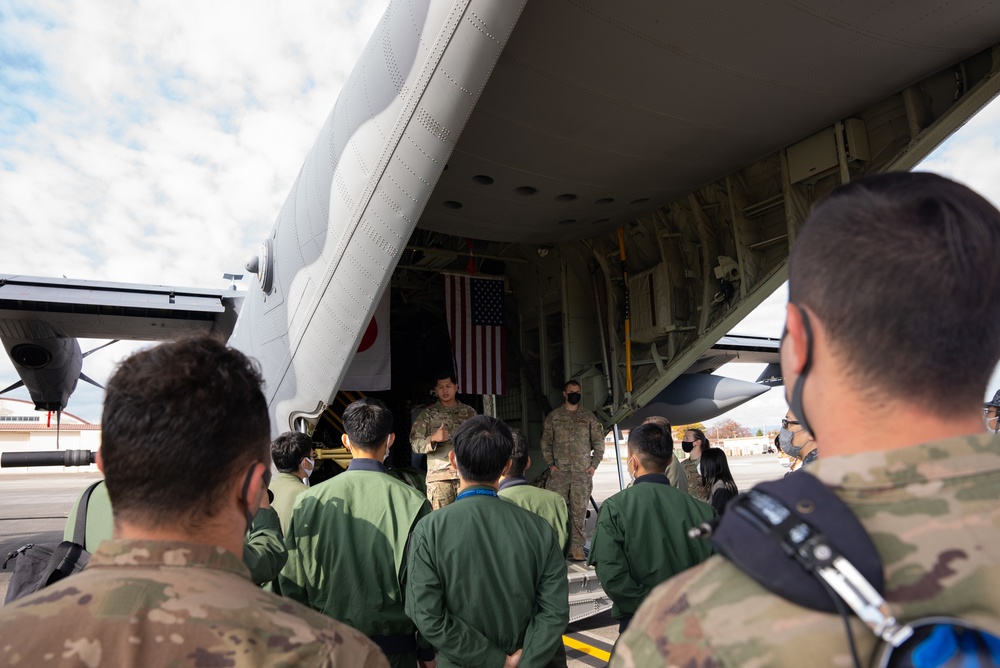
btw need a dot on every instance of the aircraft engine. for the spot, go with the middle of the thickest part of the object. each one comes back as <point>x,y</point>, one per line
<point>48,366</point>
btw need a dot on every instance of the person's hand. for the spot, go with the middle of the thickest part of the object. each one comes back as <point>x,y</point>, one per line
<point>513,660</point>
<point>441,435</point>
<point>428,664</point>
<point>590,471</point>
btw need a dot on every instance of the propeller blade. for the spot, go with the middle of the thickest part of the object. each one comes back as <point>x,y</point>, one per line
<point>88,379</point>
<point>94,351</point>
<point>16,385</point>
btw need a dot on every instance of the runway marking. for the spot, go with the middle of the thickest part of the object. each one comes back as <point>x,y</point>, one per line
<point>586,649</point>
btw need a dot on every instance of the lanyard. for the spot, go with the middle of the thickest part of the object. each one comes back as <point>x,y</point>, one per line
<point>475,492</point>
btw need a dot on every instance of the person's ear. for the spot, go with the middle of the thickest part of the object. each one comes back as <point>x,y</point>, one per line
<point>256,487</point>
<point>347,443</point>
<point>795,343</point>
<point>452,460</point>
<point>506,469</point>
<point>528,466</point>
<point>389,441</point>
<point>99,460</point>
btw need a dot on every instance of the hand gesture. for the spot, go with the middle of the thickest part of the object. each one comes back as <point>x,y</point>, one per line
<point>441,435</point>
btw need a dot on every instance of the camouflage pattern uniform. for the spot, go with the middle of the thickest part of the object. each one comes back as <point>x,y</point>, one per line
<point>695,485</point>
<point>933,511</point>
<point>158,603</point>
<point>572,441</point>
<point>442,480</point>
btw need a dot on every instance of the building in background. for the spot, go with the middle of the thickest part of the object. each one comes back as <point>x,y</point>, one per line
<point>23,429</point>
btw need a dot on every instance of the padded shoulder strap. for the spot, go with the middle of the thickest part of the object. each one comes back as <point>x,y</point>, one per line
<point>762,529</point>
<point>80,526</point>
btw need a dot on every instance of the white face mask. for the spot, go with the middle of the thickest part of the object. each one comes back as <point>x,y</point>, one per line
<point>308,464</point>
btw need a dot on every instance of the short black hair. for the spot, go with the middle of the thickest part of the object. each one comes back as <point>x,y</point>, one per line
<point>571,381</point>
<point>902,270</point>
<point>368,423</point>
<point>446,375</point>
<point>659,421</point>
<point>652,445</point>
<point>519,453</point>
<point>483,446</point>
<point>288,450</point>
<point>180,421</point>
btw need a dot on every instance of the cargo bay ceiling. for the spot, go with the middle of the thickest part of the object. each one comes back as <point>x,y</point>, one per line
<point>600,112</point>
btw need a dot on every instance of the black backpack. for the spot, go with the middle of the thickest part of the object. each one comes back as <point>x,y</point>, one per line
<point>840,573</point>
<point>38,566</point>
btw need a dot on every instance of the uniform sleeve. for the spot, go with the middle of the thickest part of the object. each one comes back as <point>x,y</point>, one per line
<point>677,476</point>
<point>425,606</point>
<point>543,636</point>
<point>420,434</point>
<point>666,630</point>
<point>263,548</point>
<point>293,579</point>
<point>607,554</point>
<point>545,444</point>
<point>596,442</point>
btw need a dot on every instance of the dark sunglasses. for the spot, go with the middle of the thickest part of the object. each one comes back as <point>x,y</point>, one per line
<point>785,422</point>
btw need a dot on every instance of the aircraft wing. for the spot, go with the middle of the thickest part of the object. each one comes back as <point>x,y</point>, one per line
<point>42,318</point>
<point>102,310</point>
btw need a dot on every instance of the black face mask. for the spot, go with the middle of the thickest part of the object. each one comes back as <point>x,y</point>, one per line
<point>687,446</point>
<point>573,398</point>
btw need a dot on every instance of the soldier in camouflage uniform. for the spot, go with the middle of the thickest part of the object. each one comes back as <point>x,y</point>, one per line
<point>693,444</point>
<point>184,451</point>
<point>573,446</point>
<point>888,375</point>
<point>431,435</point>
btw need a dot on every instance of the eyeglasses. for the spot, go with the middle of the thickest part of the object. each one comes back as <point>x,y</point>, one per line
<point>785,422</point>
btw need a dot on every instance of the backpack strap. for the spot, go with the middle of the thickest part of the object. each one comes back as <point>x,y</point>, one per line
<point>80,526</point>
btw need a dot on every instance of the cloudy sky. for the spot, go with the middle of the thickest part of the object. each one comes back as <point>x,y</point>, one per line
<point>154,142</point>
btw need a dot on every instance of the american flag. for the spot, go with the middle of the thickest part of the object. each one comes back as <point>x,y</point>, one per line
<point>474,309</point>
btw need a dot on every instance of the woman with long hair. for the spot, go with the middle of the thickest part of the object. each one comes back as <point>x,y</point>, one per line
<point>718,479</point>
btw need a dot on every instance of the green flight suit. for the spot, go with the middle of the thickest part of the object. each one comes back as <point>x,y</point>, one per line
<point>346,545</point>
<point>485,579</point>
<point>547,505</point>
<point>641,540</point>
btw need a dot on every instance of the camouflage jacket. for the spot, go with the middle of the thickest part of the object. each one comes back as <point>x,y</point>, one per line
<point>152,603</point>
<point>572,440</point>
<point>432,417</point>
<point>933,511</point>
<point>695,485</point>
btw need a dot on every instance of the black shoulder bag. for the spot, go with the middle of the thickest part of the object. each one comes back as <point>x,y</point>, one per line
<point>38,566</point>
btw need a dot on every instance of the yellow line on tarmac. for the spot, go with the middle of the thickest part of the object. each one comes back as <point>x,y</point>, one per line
<point>586,649</point>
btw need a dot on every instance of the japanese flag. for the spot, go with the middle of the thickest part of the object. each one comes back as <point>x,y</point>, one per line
<point>371,368</point>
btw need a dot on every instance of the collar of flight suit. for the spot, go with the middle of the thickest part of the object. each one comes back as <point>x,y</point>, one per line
<point>372,465</point>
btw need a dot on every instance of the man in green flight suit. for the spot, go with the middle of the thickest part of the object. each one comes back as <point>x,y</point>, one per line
<point>641,535</point>
<point>431,436</point>
<point>347,540</point>
<point>514,487</point>
<point>573,446</point>
<point>184,450</point>
<point>888,375</point>
<point>486,583</point>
